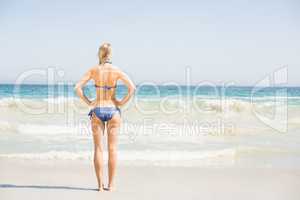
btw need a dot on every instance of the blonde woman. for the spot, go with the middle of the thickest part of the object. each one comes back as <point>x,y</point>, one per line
<point>105,110</point>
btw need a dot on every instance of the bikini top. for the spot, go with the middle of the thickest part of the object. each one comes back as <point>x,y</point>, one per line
<point>106,87</point>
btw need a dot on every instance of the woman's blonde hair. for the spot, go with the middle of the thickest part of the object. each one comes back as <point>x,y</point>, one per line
<point>105,53</point>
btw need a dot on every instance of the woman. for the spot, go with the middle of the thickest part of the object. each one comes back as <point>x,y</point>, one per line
<point>105,112</point>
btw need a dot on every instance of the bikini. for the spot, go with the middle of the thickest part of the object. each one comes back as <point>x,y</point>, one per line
<point>104,113</point>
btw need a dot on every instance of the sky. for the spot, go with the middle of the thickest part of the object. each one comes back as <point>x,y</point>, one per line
<point>154,41</point>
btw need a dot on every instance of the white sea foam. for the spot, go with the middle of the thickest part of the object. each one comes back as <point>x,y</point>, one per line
<point>48,129</point>
<point>6,127</point>
<point>221,157</point>
<point>149,157</point>
<point>172,107</point>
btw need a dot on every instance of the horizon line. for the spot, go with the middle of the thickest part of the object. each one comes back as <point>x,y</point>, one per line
<point>161,84</point>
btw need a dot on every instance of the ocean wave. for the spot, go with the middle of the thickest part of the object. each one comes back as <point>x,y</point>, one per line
<point>38,102</point>
<point>130,156</point>
<point>6,127</point>
<point>218,157</point>
<point>35,129</point>
<point>255,150</point>
<point>200,104</point>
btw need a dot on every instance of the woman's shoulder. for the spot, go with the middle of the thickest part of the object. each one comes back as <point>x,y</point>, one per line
<point>93,68</point>
<point>116,69</point>
<point>112,68</point>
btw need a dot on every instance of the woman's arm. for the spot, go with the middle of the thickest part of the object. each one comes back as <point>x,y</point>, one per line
<point>79,86</point>
<point>131,88</point>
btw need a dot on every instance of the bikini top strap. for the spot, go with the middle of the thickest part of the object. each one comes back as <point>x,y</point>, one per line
<point>106,87</point>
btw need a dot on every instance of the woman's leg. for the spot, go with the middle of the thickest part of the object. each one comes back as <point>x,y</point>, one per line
<point>112,132</point>
<point>98,130</point>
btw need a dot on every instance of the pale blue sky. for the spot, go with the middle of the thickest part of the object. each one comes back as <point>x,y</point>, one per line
<point>239,41</point>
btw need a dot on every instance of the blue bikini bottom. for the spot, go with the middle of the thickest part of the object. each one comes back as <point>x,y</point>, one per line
<point>104,113</point>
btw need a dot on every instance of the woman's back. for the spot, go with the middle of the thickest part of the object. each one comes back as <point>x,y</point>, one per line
<point>105,77</point>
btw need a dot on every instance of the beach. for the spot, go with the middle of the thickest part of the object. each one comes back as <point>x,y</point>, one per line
<point>171,146</point>
<point>36,179</point>
<point>200,100</point>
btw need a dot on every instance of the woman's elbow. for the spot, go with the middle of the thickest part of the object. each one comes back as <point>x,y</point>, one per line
<point>132,90</point>
<point>77,88</point>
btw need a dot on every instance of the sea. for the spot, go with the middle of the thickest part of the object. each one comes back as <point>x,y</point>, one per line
<point>164,125</point>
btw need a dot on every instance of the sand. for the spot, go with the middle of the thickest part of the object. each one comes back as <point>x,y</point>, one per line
<point>57,179</point>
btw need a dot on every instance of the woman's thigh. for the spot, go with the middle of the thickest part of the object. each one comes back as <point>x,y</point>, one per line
<point>113,126</point>
<point>98,128</point>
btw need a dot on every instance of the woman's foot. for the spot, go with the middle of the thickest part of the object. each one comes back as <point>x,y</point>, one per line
<point>110,188</point>
<point>101,189</point>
